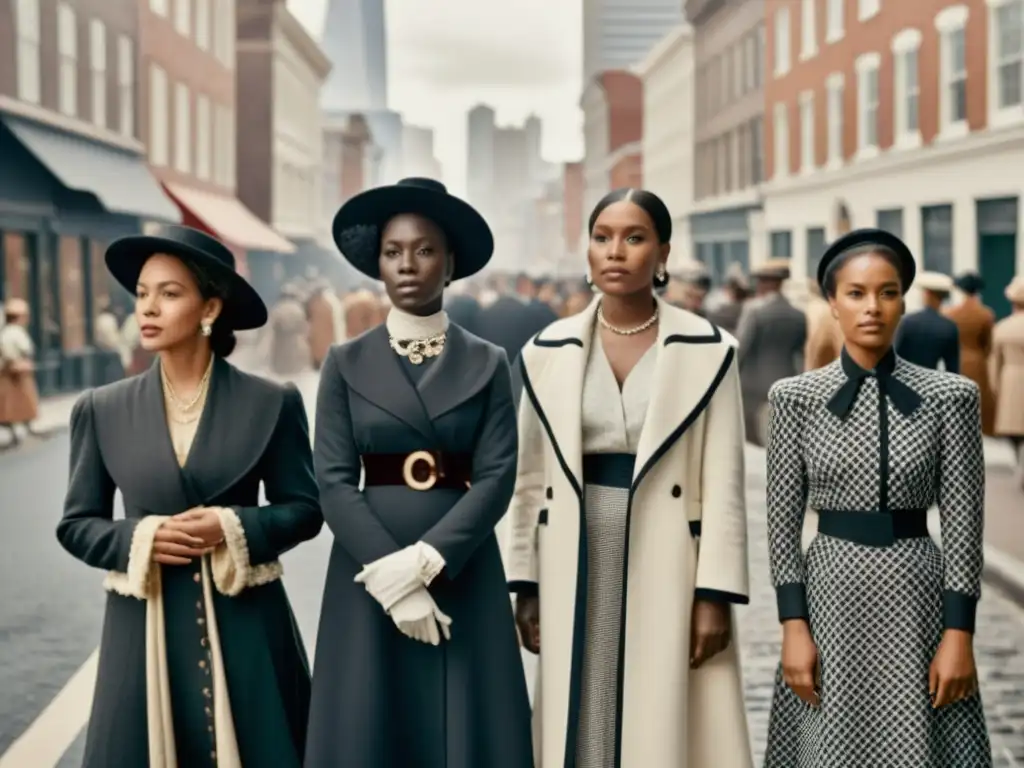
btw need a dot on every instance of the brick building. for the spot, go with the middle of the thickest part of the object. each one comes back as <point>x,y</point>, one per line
<point>188,119</point>
<point>613,125</point>
<point>728,59</point>
<point>72,173</point>
<point>904,115</point>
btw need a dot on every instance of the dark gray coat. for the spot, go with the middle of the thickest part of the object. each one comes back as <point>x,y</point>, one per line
<point>380,699</point>
<point>119,440</point>
<point>926,337</point>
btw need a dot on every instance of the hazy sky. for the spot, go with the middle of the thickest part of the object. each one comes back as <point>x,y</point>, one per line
<point>445,56</point>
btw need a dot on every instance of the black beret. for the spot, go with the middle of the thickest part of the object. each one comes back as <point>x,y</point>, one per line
<point>869,236</point>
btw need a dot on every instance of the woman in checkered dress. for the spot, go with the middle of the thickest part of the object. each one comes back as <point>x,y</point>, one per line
<point>877,663</point>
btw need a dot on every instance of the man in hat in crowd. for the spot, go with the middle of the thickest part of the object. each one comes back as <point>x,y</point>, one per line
<point>514,318</point>
<point>694,282</point>
<point>1006,373</point>
<point>726,314</point>
<point>771,334</point>
<point>926,337</point>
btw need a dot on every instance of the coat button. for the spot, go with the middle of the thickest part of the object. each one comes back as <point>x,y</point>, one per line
<point>196,578</point>
<point>676,491</point>
<point>550,493</point>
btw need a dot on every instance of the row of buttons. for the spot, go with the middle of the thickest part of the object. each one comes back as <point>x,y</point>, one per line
<point>204,664</point>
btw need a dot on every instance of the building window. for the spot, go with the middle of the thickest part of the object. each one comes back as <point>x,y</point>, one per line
<point>1007,35</point>
<point>204,138</point>
<point>834,10</point>
<point>891,220</point>
<point>782,25</point>
<point>67,47</point>
<point>867,103</point>
<point>203,24</point>
<point>126,85</point>
<point>951,24</point>
<point>808,29</point>
<point>816,244</point>
<point>937,235</point>
<point>781,148</point>
<point>224,147</point>
<point>907,90</point>
<point>183,17</point>
<point>98,71</point>
<point>866,9</point>
<point>807,131</point>
<point>182,128</point>
<point>757,150</point>
<point>224,32</point>
<point>834,86</point>
<point>759,48</point>
<point>159,7</point>
<point>159,116</point>
<point>781,245</point>
<point>27,18</point>
<point>737,69</point>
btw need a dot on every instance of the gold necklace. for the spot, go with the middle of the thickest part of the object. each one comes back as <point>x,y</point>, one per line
<point>418,350</point>
<point>200,390</point>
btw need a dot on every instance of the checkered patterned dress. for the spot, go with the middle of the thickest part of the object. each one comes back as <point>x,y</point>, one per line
<point>876,613</point>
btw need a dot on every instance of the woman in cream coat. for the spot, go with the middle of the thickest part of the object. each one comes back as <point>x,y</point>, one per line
<point>627,532</point>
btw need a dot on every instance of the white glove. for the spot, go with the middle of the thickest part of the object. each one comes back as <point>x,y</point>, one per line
<point>399,574</point>
<point>417,616</point>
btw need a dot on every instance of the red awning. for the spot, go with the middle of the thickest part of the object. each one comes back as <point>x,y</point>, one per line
<point>226,217</point>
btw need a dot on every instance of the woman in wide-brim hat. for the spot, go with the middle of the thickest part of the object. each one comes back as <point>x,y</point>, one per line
<point>200,661</point>
<point>417,662</point>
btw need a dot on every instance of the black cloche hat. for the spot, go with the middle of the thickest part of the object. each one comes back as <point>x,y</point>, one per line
<point>869,236</point>
<point>358,224</point>
<point>243,307</point>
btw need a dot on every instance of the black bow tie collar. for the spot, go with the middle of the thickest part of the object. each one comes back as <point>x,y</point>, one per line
<point>904,399</point>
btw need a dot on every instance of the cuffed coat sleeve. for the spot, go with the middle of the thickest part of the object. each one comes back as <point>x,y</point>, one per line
<point>520,555</point>
<point>722,571</point>
<point>338,468</point>
<point>255,537</point>
<point>961,502</point>
<point>474,516</point>
<point>88,529</point>
<point>787,502</point>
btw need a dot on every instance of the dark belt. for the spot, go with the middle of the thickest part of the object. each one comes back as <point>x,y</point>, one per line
<point>612,470</point>
<point>419,470</point>
<point>874,529</point>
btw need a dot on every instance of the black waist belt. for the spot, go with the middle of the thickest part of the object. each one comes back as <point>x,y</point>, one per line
<point>612,470</point>
<point>874,529</point>
<point>419,470</point>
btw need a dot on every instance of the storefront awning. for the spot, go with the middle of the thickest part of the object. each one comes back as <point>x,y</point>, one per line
<point>229,219</point>
<point>120,180</point>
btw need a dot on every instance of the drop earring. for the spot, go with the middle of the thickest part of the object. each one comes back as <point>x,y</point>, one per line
<point>206,328</point>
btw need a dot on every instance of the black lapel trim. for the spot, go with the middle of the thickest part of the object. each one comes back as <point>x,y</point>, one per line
<point>705,338</point>
<point>580,607</point>
<point>539,342</point>
<point>648,465</point>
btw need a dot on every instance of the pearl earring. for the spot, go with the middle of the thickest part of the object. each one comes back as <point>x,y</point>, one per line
<point>206,328</point>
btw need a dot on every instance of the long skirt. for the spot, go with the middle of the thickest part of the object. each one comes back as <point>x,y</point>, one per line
<point>876,618</point>
<point>606,549</point>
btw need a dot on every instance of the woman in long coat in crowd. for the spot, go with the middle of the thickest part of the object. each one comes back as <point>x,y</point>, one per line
<point>200,658</point>
<point>877,654</point>
<point>417,663</point>
<point>975,323</point>
<point>19,397</point>
<point>628,532</point>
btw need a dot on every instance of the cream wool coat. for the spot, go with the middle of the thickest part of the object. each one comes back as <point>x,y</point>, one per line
<point>687,532</point>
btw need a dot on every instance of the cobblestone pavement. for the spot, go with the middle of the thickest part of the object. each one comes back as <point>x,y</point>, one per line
<point>999,646</point>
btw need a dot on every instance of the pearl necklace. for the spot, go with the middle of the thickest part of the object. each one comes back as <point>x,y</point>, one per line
<point>627,331</point>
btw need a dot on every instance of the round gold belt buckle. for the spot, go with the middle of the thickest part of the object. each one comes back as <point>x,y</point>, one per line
<point>409,476</point>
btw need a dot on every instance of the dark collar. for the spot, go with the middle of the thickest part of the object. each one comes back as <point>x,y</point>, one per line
<point>903,398</point>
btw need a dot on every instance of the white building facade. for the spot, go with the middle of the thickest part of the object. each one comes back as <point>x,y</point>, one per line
<point>596,144</point>
<point>299,71</point>
<point>668,137</point>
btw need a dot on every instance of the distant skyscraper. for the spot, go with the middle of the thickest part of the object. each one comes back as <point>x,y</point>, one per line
<point>618,33</point>
<point>354,37</point>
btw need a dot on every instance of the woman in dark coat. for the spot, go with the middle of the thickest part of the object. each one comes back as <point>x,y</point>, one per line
<point>201,663</point>
<point>417,660</point>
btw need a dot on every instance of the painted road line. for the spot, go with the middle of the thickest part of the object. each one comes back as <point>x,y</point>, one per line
<point>45,741</point>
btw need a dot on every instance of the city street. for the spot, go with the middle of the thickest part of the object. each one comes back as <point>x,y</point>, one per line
<point>50,613</point>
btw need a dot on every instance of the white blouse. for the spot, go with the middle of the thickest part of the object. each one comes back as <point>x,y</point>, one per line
<point>612,419</point>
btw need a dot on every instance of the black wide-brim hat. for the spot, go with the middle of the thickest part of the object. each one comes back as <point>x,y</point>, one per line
<point>869,236</point>
<point>243,308</point>
<point>360,221</point>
